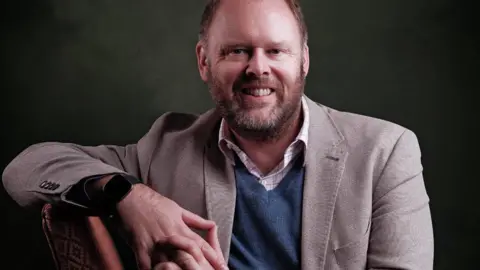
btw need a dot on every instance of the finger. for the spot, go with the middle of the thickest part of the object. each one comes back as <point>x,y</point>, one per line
<point>196,221</point>
<point>187,244</point>
<point>214,257</point>
<point>167,266</point>
<point>186,261</point>
<point>163,257</point>
<point>159,256</point>
<point>143,259</point>
<point>212,239</point>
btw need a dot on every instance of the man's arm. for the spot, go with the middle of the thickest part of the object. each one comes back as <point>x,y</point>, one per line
<point>46,172</point>
<point>401,233</point>
<point>60,172</point>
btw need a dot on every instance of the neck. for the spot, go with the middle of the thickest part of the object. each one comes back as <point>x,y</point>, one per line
<point>267,154</point>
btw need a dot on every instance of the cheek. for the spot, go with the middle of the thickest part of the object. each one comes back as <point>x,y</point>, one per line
<point>287,70</point>
<point>288,77</point>
<point>228,72</point>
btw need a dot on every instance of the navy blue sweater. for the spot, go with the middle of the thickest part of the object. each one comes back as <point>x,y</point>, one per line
<point>267,224</point>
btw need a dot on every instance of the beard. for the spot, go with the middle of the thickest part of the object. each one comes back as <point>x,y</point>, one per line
<point>269,125</point>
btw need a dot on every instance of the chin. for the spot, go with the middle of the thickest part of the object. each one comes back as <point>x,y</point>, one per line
<point>260,114</point>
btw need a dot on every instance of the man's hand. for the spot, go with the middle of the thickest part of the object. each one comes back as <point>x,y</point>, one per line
<point>152,221</point>
<point>181,260</point>
<point>172,258</point>
<point>167,266</point>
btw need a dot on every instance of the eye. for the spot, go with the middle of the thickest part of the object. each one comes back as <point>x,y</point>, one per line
<point>238,51</point>
<point>274,51</point>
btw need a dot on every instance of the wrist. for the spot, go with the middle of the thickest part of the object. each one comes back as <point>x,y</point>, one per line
<point>107,192</point>
<point>118,187</point>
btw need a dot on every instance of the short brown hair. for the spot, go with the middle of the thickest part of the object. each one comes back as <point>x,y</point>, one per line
<point>212,6</point>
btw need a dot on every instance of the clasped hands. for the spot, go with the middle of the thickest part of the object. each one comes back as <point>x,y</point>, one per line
<point>159,232</point>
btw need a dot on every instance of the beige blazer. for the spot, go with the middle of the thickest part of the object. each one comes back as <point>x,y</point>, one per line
<point>365,204</point>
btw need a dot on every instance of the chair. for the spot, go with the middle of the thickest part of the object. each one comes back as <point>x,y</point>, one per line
<point>78,241</point>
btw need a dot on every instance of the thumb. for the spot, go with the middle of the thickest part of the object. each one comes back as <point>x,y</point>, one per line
<point>196,221</point>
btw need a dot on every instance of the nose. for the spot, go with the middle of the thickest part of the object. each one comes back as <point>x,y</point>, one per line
<point>258,65</point>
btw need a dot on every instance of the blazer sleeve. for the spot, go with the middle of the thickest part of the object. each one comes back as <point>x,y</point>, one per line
<point>401,235</point>
<point>45,172</point>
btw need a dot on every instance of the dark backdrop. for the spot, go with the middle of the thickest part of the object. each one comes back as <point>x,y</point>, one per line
<point>101,71</point>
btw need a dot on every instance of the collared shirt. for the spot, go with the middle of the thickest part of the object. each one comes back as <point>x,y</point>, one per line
<point>273,178</point>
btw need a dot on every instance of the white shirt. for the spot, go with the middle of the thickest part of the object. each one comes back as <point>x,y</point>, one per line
<point>273,178</point>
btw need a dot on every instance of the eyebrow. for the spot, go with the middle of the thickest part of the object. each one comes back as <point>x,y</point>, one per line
<point>233,45</point>
<point>281,44</point>
<point>229,45</point>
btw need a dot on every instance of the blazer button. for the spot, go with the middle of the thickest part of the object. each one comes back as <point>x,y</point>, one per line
<point>43,184</point>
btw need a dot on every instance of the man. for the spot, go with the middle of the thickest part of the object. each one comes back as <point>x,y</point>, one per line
<point>275,180</point>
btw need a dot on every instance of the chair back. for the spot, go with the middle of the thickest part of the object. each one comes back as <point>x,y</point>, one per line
<point>78,241</point>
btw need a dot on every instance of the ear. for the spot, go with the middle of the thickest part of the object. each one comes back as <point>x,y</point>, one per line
<point>202,60</point>
<point>306,59</point>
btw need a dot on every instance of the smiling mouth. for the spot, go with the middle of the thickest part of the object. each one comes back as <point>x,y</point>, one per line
<point>257,92</point>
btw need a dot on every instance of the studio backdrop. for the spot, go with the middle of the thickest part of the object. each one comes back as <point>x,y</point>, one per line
<point>100,72</point>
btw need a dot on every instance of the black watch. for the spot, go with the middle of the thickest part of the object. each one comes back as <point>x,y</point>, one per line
<point>116,189</point>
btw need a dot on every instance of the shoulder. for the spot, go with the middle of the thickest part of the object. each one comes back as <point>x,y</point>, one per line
<point>373,142</point>
<point>178,122</point>
<point>361,130</point>
<point>177,127</point>
<point>174,132</point>
<point>377,147</point>
<point>174,121</point>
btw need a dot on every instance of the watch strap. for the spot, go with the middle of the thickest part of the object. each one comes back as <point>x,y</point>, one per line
<point>113,191</point>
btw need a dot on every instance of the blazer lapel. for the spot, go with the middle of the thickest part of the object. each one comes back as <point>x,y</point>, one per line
<point>325,159</point>
<point>220,192</point>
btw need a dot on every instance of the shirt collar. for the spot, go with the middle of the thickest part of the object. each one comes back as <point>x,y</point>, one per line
<point>225,141</point>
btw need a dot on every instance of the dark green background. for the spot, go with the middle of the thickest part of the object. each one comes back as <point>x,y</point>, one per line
<point>102,71</point>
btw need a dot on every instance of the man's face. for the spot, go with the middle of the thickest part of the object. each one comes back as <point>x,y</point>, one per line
<point>255,64</point>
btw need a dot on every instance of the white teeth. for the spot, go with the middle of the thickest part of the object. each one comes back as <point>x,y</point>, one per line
<point>258,92</point>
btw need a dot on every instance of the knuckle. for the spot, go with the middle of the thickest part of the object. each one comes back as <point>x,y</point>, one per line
<point>184,259</point>
<point>202,244</point>
<point>172,240</point>
<point>141,240</point>
<point>159,239</point>
<point>141,245</point>
<point>193,247</point>
<point>205,247</point>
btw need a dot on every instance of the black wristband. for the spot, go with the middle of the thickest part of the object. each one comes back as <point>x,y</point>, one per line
<point>115,190</point>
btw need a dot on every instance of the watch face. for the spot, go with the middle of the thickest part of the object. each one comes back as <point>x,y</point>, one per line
<point>117,188</point>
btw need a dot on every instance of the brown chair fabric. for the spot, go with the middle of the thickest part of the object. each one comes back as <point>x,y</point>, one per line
<point>78,242</point>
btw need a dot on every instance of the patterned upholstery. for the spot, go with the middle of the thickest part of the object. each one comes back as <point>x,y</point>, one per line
<point>78,242</point>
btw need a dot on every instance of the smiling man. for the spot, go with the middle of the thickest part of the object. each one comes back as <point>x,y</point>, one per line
<point>274,179</point>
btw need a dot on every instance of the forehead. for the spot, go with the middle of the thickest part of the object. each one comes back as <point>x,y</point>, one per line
<point>256,22</point>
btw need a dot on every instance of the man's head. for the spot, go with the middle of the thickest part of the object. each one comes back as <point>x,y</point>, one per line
<point>254,57</point>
